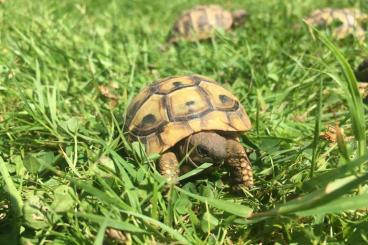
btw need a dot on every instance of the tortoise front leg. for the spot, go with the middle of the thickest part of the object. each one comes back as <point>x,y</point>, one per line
<point>169,166</point>
<point>240,166</point>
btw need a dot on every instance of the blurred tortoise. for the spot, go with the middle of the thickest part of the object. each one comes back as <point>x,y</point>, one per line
<point>201,21</point>
<point>350,19</point>
<point>361,74</point>
<point>191,118</point>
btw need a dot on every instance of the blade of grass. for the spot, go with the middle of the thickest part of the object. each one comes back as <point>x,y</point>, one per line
<point>337,173</point>
<point>317,130</point>
<point>339,205</point>
<point>195,171</point>
<point>116,201</point>
<point>230,207</point>
<point>175,234</point>
<point>100,234</point>
<point>352,95</point>
<point>17,199</point>
<point>111,199</point>
<point>330,192</point>
<point>16,202</point>
<point>113,223</point>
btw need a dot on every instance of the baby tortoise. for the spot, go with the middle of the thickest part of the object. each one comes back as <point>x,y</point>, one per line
<point>201,21</point>
<point>191,118</point>
<point>361,74</point>
<point>350,19</point>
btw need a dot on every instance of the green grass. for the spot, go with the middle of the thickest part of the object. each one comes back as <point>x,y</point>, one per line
<point>68,176</point>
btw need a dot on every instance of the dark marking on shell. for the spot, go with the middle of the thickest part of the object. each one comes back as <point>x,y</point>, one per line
<point>161,128</point>
<point>144,133</point>
<point>197,80</point>
<point>177,84</point>
<point>187,27</point>
<point>206,97</point>
<point>168,108</point>
<point>192,116</point>
<point>159,136</point>
<point>176,28</point>
<point>148,119</point>
<point>176,88</point>
<point>190,103</point>
<point>132,110</point>
<point>154,88</point>
<point>228,117</point>
<point>224,99</point>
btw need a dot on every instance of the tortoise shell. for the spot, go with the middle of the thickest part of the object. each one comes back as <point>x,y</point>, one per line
<point>172,109</point>
<point>350,19</point>
<point>200,22</point>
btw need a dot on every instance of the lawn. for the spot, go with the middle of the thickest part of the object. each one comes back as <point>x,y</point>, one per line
<point>68,70</point>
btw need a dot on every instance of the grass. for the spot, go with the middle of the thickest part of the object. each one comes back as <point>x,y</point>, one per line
<point>68,70</point>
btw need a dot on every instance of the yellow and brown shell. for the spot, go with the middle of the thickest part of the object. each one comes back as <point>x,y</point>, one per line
<point>350,19</point>
<point>200,22</point>
<point>173,108</point>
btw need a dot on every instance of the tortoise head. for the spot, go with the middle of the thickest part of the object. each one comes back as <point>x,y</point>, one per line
<point>205,147</point>
<point>239,17</point>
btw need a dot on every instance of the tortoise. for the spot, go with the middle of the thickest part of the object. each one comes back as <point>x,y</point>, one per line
<point>201,21</point>
<point>190,118</point>
<point>361,74</point>
<point>350,18</point>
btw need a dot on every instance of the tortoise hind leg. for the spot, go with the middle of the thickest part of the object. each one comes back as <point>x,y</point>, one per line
<point>169,166</point>
<point>240,166</point>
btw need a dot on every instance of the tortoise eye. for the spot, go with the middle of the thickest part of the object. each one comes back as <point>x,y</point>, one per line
<point>202,151</point>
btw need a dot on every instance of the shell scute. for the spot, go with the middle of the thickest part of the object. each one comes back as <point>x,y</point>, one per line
<point>187,102</point>
<point>175,84</point>
<point>150,115</point>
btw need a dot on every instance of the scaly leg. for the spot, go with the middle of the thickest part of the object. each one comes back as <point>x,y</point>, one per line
<point>241,168</point>
<point>169,167</point>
